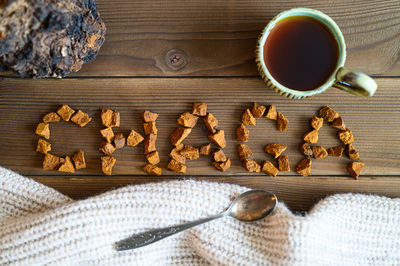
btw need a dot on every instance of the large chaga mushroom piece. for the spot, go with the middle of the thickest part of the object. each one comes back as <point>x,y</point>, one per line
<point>49,38</point>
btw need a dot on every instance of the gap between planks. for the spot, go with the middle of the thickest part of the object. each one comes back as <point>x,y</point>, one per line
<point>299,193</point>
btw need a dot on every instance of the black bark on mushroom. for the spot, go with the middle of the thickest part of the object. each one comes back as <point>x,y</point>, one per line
<point>48,38</point>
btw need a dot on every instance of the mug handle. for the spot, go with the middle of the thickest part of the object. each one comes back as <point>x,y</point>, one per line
<point>355,82</point>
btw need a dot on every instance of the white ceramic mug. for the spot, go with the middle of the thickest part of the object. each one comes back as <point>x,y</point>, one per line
<point>343,78</point>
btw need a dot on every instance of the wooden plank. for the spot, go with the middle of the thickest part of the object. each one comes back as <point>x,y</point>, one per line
<point>297,192</point>
<point>375,121</point>
<point>218,38</point>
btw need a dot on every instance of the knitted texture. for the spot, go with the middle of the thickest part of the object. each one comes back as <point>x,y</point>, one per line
<point>41,226</point>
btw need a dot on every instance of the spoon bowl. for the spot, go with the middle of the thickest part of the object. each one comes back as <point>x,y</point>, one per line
<point>253,205</point>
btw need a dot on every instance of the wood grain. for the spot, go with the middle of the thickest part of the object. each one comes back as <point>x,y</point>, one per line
<point>298,193</point>
<point>218,38</point>
<point>375,121</point>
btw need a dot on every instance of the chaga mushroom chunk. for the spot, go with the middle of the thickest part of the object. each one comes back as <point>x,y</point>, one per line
<point>187,120</point>
<point>205,149</point>
<point>79,160</point>
<point>218,138</point>
<point>107,164</point>
<point>49,38</point>
<point>242,133</point>
<point>110,118</point>
<point>134,138</point>
<point>81,118</point>
<point>190,152</point>
<point>152,169</point>
<point>148,116</point>
<point>153,157</point>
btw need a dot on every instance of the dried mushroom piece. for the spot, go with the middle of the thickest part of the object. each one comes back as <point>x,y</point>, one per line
<point>338,123</point>
<point>271,113</point>
<point>258,110</point>
<point>219,156</point>
<point>119,141</point>
<point>79,160</point>
<point>51,117</point>
<point>134,138</point>
<point>107,134</point>
<point>305,148</point>
<point>242,133</point>
<point>67,166</point>
<point>110,118</point>
<point>352,152</point>
<point>107,148</point>
<point>175,154</point>
<point>328,113</point>
<point>319,152</point>
<point>150,143</point>
<point>311,137</point>
<point>148,116</point>
<point>336,151</point>
<point>355,168</point>
<point>187,120</point>
<point>152,169</point>
<point>248,118</point>
<point>244,152</point>
<point>211,122</point>
<point>176,166</point>
<point>43,130</point>
<point>179,135</point>
<point>199,109</point>
<point>282,122</point>
<point>304,167</point>
<point>190,152</point>
<point>81,118</point>
<point>222,166</point>
<point>150,128</point>
<point>218,138</point>
<point>275,149</point>
<point>51,162</point>
<point>43,146</point>
<point>153,157</point>
<point>251,166</point>
<point>283,163</point>
<point>317,122</point>
<point>107,164</point>
<point>49,38</point>
<point>205,149</point>
<point>65,112</point>
<point>346,136</point>
<point>269,169</point>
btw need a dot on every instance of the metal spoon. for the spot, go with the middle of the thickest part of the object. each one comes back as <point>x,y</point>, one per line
<point>249,206</point>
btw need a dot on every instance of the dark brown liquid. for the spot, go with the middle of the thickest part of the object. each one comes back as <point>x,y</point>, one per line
<point>301,53</point>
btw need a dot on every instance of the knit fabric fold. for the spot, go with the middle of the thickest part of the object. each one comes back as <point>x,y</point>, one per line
<point>39,225</point>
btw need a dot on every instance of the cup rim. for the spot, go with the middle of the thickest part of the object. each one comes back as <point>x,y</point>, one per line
<point>320,16</point>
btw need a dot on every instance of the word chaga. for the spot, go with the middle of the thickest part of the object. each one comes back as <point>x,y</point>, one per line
<point>50,161</point>
<point>344,134</point>
<point>249,117</point>
<point>181,152</point>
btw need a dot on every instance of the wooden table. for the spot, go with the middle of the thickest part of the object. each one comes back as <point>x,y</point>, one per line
<point>165,55</point>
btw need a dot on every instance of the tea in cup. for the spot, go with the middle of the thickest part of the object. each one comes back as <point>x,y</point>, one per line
<point>301,53</point>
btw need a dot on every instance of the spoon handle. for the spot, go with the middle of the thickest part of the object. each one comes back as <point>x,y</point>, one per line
<point>149,237</point>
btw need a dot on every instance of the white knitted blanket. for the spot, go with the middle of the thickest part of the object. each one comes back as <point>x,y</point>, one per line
<point>41,226</point>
